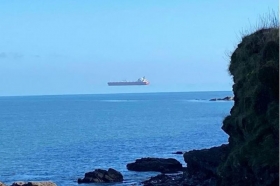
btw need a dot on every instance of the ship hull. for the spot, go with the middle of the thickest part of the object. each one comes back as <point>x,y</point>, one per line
<point>127,83</point>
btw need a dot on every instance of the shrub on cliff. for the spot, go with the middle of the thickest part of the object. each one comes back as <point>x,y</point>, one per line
<point>253,123</point>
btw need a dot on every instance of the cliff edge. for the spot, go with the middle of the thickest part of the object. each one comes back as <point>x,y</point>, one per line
<point>253,123</point>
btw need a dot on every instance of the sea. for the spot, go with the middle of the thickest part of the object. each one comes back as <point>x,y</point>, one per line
<point>61,137</point>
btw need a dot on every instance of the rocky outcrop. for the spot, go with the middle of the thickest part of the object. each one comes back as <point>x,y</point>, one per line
<point>228,98</point>
<point>102,176</point>
<point>178,152</point>
<point>202,165</point>
<point>205,161</point>
<point>2,184</point>
<point>253,123</point>
<point>34,183</point>
<point>164,180</point>
<point>163,165</point>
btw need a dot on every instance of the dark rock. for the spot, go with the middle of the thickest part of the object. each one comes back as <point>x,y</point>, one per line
<point>178,152</point>
<point>113,176</point>
<point>205,161</point>
<point>227,98</point>
<point>33,183</point>
<point>184,179</point>
<point>198,179</point>
<point>202,165</point>
<point>102,176</point>
<point>18,183</point>
<point>164,180</point>
<point>169,165</point>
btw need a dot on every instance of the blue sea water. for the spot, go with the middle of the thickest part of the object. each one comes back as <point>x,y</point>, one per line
<point>59,138</point>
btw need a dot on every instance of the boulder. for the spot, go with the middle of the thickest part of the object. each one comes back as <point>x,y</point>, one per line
<point>33,183</point>
<point>163,165</point>
<point>102,176</point>
<point>19,183</point>
<point>2,184</point>
<point>181,179</point>
<point>164,180</point>
<point>206,161</point>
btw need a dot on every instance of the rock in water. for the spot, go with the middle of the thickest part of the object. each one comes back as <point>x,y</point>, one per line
<point>228,98</point>
<point>178,152</point>
<point>205,160</point>
<point>164,180</point>
<point>34,183</point>
<point>163,165</point>
<point>102,176</point>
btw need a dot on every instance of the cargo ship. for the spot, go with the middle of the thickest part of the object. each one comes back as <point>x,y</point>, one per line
<point>140,81</point>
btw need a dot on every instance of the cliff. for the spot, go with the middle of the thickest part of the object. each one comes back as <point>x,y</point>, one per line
<point>252,155</point>
<point>253,123</point>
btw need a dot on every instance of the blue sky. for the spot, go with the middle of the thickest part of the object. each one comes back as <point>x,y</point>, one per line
<point>76,47</point>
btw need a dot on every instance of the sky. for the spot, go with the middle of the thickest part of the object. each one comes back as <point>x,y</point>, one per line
<point>77,46</point>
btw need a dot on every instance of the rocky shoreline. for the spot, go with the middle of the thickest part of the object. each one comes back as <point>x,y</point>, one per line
<point>201,170</point>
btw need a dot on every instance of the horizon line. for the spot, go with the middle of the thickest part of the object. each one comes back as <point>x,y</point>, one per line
<point>76,94</point>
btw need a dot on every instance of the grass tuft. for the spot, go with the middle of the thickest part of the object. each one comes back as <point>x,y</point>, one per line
<point>266,21</point>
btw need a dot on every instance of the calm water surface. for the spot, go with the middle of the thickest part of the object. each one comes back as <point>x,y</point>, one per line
<point>59,138</point>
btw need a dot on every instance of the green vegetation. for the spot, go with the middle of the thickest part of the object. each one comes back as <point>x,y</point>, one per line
<point>253,123</point>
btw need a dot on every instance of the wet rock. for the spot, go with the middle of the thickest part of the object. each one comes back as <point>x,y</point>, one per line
<point>205,161</point>
<point>34,183</point>
<point>18,183</point>
<point>163,165</point>
<point>201,169</point>
<point>198,179</point>
<point>164,180</point>
<point>102,176</point>
<point>184,179</point>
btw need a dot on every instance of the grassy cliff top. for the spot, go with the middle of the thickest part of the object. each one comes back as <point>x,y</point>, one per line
<point>253,123</point>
